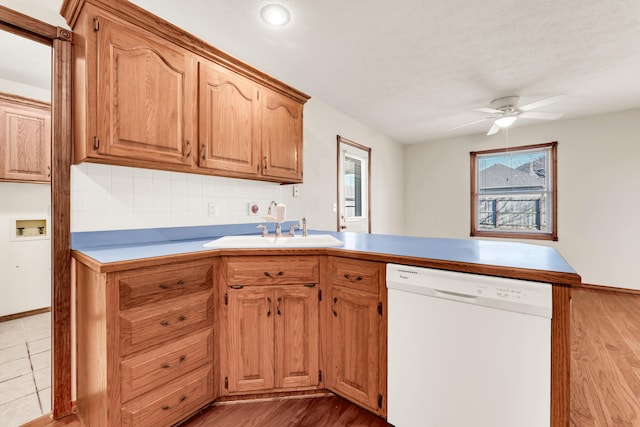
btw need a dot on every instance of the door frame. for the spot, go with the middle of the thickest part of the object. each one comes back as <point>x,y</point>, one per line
<point>342,140</point>
<point>61,148</point>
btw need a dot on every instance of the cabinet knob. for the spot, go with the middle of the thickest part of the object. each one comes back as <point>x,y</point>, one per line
<point>167,407</point>
<point>177,285</point>
<point>273,276</point>
<point>180,360</point>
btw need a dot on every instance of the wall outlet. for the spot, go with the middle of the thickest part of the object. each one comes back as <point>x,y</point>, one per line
<point>334,207</point>
<point>212,209</point>
<point>296,191</point>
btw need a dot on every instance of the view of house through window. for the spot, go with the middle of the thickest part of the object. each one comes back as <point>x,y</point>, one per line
<point>514,192</point>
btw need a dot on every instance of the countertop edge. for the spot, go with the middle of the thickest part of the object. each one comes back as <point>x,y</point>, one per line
<point>555,277</point>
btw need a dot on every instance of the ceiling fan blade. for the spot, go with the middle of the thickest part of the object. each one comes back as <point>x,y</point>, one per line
<point>540,115</point>
<point>470,123</point>
<point>489,110</point>
<point>494,129</point>
<point>541,103</point>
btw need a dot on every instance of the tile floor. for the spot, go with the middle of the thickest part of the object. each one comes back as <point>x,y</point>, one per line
<point>25,369</point>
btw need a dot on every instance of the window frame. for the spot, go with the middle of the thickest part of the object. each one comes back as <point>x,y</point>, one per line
<point>553,194</point>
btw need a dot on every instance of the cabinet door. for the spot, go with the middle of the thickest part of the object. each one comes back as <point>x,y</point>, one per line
<point>296,330</point>
<point>146,97</point>
<point>354,340</point>
<point>281,137</point>
<point>229,127</point>
<point>25,142</point>
<point>250,328</point>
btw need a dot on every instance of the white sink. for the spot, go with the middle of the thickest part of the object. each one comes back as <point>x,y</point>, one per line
<point>271,241</point>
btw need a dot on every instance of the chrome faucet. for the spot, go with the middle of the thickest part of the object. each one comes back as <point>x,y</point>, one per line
<point>265,232</point>
<point>271,205</point>
<point>278,230</point>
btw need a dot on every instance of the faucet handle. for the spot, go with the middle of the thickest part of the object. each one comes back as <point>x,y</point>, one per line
<point>292,229</point>
<point>265,232</point>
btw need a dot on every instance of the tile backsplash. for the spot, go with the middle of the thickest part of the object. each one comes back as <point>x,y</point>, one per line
<point>105,197</point>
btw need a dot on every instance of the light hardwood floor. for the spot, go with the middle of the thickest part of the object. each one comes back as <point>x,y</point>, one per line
<point>605,359</point>
<point>605,376</point>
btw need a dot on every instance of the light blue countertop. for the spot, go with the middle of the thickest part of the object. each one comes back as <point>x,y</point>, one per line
<point>127,245</point>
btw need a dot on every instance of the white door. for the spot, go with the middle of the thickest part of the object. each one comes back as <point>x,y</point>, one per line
<point>354,208</point>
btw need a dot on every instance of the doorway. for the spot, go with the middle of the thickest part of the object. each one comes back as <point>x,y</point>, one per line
<point>59,42</point>
<point>354,186</point>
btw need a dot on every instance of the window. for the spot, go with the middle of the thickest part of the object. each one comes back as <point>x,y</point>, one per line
<point>513,192</point>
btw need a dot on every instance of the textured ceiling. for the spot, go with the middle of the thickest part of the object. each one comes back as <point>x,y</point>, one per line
<point>412,69</point>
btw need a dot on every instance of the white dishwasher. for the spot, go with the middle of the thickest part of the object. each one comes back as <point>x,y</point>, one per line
<point>467,350</point>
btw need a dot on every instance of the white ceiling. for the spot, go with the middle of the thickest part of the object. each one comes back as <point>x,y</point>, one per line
<point>414,68</point>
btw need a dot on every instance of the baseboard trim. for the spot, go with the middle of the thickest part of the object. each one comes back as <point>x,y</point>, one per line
<point>14,316</point>
<point>602,288</point>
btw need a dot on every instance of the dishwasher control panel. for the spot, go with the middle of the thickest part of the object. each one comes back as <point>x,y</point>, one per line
<point>497,292</point>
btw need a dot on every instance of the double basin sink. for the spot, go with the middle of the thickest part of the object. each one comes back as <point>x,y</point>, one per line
<point>272,241</point>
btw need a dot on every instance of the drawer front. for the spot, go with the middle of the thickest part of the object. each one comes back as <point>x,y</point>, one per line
<point>356,274</point>
<point>155,284</point>
<point>172,402</point>
<point>149,370</point>
<point>271,270</point>
<point>152,324</point>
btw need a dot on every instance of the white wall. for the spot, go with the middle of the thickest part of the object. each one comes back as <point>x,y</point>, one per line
<point>25,266</point>
<point>26,91</point>
<point>322,124</point>
<point>113,197</point>
<point>598,194</point>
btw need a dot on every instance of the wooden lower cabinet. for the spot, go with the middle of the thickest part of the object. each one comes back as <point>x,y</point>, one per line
<point>145,343</point>
<point>272,339</point>
<point>356,329</point>
<point>158,340</point>
<point>269,324</point>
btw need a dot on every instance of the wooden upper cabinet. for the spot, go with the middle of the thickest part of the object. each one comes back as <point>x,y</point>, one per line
<point>281,137</point>
<point>148,94</point>
<point>145,106</point>
<point>25,140</point>
<point>229,121</point>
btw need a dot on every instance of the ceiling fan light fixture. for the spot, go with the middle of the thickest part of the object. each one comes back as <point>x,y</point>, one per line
<point>505,121</point>
<point>275,14</point>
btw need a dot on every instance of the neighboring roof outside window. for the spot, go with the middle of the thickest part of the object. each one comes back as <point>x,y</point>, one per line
<point>501,177</point>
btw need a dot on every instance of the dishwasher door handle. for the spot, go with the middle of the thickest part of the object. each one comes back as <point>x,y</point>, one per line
<point>455,295</point>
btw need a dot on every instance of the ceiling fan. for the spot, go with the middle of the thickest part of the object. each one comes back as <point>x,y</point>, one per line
<point>505,111</point>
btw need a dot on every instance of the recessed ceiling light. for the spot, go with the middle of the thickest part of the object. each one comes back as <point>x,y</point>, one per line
<point>275,14</point>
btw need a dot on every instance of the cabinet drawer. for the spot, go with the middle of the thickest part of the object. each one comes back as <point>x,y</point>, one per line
<point>356,274</point>
<point>272,270</point>
<point>152,324</point>
<point>149,370</point>
<point>172,402</point>
<point>149,285</point>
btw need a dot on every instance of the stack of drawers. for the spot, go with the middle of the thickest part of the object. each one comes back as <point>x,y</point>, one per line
<point>166,342</point>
